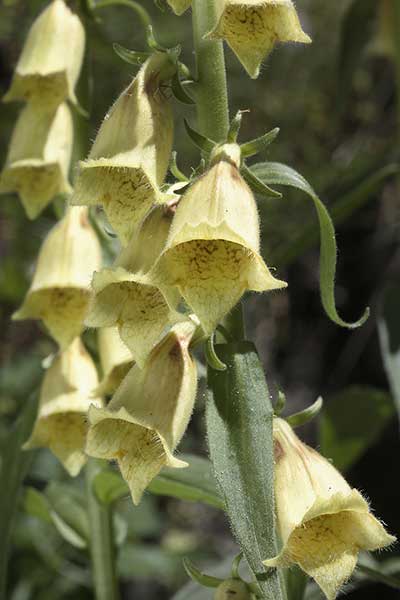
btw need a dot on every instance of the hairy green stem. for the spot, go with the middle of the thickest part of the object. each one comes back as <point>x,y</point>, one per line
<point>101,540</point>
<point>211,87</point>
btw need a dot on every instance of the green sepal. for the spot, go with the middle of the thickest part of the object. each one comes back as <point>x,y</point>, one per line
<point>179,91</point>
<point>259,144</point>
<point>131,56</point>
<point>257,185</point>
<point>280,403</point>
<point>280,174</point>
<point>305,416</point>
<point>234,127</point>
<point>175,170</point>
<point>211,356</point>
<point>201,141</point>
<point>196,575</point>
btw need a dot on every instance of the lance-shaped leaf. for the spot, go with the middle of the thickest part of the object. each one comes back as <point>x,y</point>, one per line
<point>212,253</point>
<point>59,294</point>
<point>253,27</point>
<point>39,157</point>
<point>280,174</point>
<point>239,428</point>
<point>65,396</point>
<point>130,156</point>
<point>149,413</point>
<point>389,335</point>
<point>322,522</point>
<point>51,60</point>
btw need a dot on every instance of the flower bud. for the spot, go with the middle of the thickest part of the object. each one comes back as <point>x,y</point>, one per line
<point>115,359</point>
<point>51,59</point>
<point>252,28</point>
<point>39,157</point>
<point>65,396</point>
<point>233,589</point>
<point>149,413</point>
<point>179,6</point>
<point>130,156</point>
<point>212,253</point>
<point>60,290</point>
<point>322,522</point>
<point>126,295</point>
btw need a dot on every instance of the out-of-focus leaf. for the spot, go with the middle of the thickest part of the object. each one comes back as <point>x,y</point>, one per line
<point>355,35</point>
<point>280,174</point>
<point>37,505</point>
<point>340,210</point>
<point>296,583</point>
<point>352,421</point>
<point>69,514</point>
<point>389,335</point>
<point>145,560</point>
<point>195,483</point>
<point>13,467</point>
<point>239,427</point>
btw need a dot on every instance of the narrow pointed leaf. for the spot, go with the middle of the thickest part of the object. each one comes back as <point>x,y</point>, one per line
<point>259,144</point>
<point>258,185</point>
<point>389,336</point>
<point>239,427</point>
<point>280,174</point>
<point>179,91</point>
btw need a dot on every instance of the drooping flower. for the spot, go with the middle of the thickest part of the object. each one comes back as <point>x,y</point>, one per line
<point>65,396</point>
<point>149,413</point>
<point>126,295</point>
<point>115,358</point>
<point>51,59</point>
<point>39,157</point>
<point>252,28</point>
<point>322,522</point>
<point>179,6</point>
<point>60,291</point>
<point>130,156</point>
<point>212,253</point>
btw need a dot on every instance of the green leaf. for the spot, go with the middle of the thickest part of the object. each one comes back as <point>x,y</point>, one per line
<point>14,465</point>
<point>340,210</point>
<point>195,483</point>
<point>279,174</point>
<point>37,505</point>
<point>68,513</point>
<point>257,184</point>
<point>239,427</point>
<point>355,35</point>
<point>352,421</point>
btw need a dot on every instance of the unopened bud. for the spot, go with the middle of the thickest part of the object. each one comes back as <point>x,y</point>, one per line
<point>252,28</point>
<point>60,291</point>
<point>115,358</point>
<point>39,157</point>
<point>51,60</point>
<point>130,156</point>
<point>65,396</point>
<point>149,413</point>
<point>322,522</point>
<point>212,253</point>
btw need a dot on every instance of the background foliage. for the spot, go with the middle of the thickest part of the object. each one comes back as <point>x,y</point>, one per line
<point>336,106</point>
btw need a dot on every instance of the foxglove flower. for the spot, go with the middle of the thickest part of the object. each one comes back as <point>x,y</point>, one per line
<point>149,413</point>
<point>323,523</point>
<point>115,358</point>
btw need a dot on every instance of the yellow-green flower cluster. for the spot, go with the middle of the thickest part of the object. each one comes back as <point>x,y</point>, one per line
<point>39,155</point>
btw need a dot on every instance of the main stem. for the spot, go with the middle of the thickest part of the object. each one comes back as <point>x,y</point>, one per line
<point>212,102</point>
<point>101,540</point>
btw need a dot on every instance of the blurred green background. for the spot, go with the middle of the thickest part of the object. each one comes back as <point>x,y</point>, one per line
<point>335,103</point>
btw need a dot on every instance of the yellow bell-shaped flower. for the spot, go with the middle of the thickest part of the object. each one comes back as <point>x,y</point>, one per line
<point>322,522</point>
<point>212,253</point>
<point>51,59</point>
<point>126,295</point>
<point>130,156</point>
<point>65,396</point>
<point>179,6</point>
<point>252,28</point>
<point>115,359</point>
<point>39,157</point>
<point>60,291</point>
<point>149,413</point>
